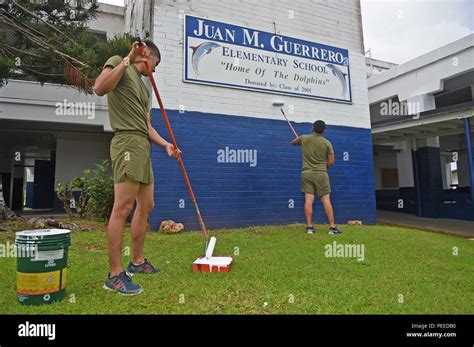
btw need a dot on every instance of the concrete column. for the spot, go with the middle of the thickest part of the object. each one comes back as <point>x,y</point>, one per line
<point>445,173</point>
<point>406,180</point>
<point>463,170</point>
<point>404,164</point>
<point>470,156</point>
<point>139,17</point>
<point>429,179</point>
<point>12,180</point>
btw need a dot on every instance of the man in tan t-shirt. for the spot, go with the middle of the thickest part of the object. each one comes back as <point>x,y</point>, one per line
<point>128,100</point>
<point>318,156</point>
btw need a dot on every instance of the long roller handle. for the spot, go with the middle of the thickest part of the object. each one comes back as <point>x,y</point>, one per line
<point>179,158</point>
<point>284,115</point>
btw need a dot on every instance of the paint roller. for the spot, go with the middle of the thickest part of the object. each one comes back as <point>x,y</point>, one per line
<point>212,242</point>
<point>179,157</point>
<point>210,247</point>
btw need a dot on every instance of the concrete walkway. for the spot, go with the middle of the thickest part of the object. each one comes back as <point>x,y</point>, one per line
<point>447,226</point>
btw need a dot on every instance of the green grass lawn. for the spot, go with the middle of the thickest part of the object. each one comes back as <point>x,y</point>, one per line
<point>280,266</point>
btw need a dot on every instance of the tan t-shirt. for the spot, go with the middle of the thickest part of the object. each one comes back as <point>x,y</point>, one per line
<point>315,150</point>
<point>129,101</point>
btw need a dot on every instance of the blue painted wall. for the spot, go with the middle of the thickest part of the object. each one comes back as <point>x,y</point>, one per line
<point>236,195</point>
<point>387,200</point>
<point>430,180</point>
<point>453,204</point>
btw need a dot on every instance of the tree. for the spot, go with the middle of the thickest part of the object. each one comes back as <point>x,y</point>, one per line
<point>49,41</point>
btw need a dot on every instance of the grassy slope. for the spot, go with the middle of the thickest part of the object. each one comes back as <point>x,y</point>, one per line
<point>274,262</point>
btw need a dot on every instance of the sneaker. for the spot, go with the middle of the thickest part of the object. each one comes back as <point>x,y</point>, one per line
<point>310,230</point>
<point>122,283</point>
<point>144,268</point>
<point>334,231</point>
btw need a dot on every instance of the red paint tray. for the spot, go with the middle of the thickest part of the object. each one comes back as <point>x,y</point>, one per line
<point>208,263</point>
<point>212,264</point>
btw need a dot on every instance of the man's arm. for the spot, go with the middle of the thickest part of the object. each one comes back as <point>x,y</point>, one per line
<point>110,76</point>
<point>155,138</point>
<point>331,160</point>
<point>296,141</point>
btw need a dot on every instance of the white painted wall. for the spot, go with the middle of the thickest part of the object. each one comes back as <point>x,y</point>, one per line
<point>383,160</point>
<point>375,66</point>
<point>26,100</point>
<point>110,19</point>
<point>428,142</point>
<point>424,74</point>
<point>336,23</point>
<point>74,154</point>
<point>29,171</point>
<point>405,164</point>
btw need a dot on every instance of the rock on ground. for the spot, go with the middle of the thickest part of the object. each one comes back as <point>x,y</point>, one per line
<point>171,227</point>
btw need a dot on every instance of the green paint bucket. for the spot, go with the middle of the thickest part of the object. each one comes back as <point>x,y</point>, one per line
<point>42,265</point>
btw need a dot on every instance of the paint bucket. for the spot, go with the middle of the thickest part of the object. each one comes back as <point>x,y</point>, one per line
<point>42,257</point>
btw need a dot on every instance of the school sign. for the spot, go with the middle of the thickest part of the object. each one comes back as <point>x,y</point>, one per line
<point>232,56</point>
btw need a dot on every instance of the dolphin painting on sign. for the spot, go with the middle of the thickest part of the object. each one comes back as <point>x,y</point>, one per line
<point>341,76</point>
<point>200,51</point>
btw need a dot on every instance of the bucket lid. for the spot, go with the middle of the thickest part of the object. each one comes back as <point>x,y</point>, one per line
<point>43,238</point>
<point>41,241</point>
<point>39,233</point>
<point>49,237</point>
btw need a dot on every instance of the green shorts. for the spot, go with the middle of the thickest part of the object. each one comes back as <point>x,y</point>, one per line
<point>131,157</point>
<point>316,183</point>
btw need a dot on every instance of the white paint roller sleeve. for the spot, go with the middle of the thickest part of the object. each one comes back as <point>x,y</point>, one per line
<point>210,247</point>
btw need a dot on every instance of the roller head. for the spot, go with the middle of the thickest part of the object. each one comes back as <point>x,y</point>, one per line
<point>210,247</point>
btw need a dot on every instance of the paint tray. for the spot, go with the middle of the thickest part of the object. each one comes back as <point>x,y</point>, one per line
<point>212,264</point>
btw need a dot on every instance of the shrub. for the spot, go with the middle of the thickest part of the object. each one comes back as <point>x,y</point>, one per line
<point>96,197</point>
<point>100,191</point>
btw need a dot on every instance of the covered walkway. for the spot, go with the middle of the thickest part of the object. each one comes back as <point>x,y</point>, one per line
<point>447,226</point>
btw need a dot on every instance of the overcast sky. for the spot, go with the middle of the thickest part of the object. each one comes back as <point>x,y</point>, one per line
<point>400,30</point>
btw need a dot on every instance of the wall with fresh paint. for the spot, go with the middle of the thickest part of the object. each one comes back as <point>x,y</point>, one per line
<point>207,119</point>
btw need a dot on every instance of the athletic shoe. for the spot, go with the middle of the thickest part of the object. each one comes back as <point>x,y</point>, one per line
<point>144,268</point>
<point>334,231</point>
<point>122,283</point>
<point>310,230</point>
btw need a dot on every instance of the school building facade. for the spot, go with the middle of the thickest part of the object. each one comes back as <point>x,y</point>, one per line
<point>421,115</point>
<point>227,68</point>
